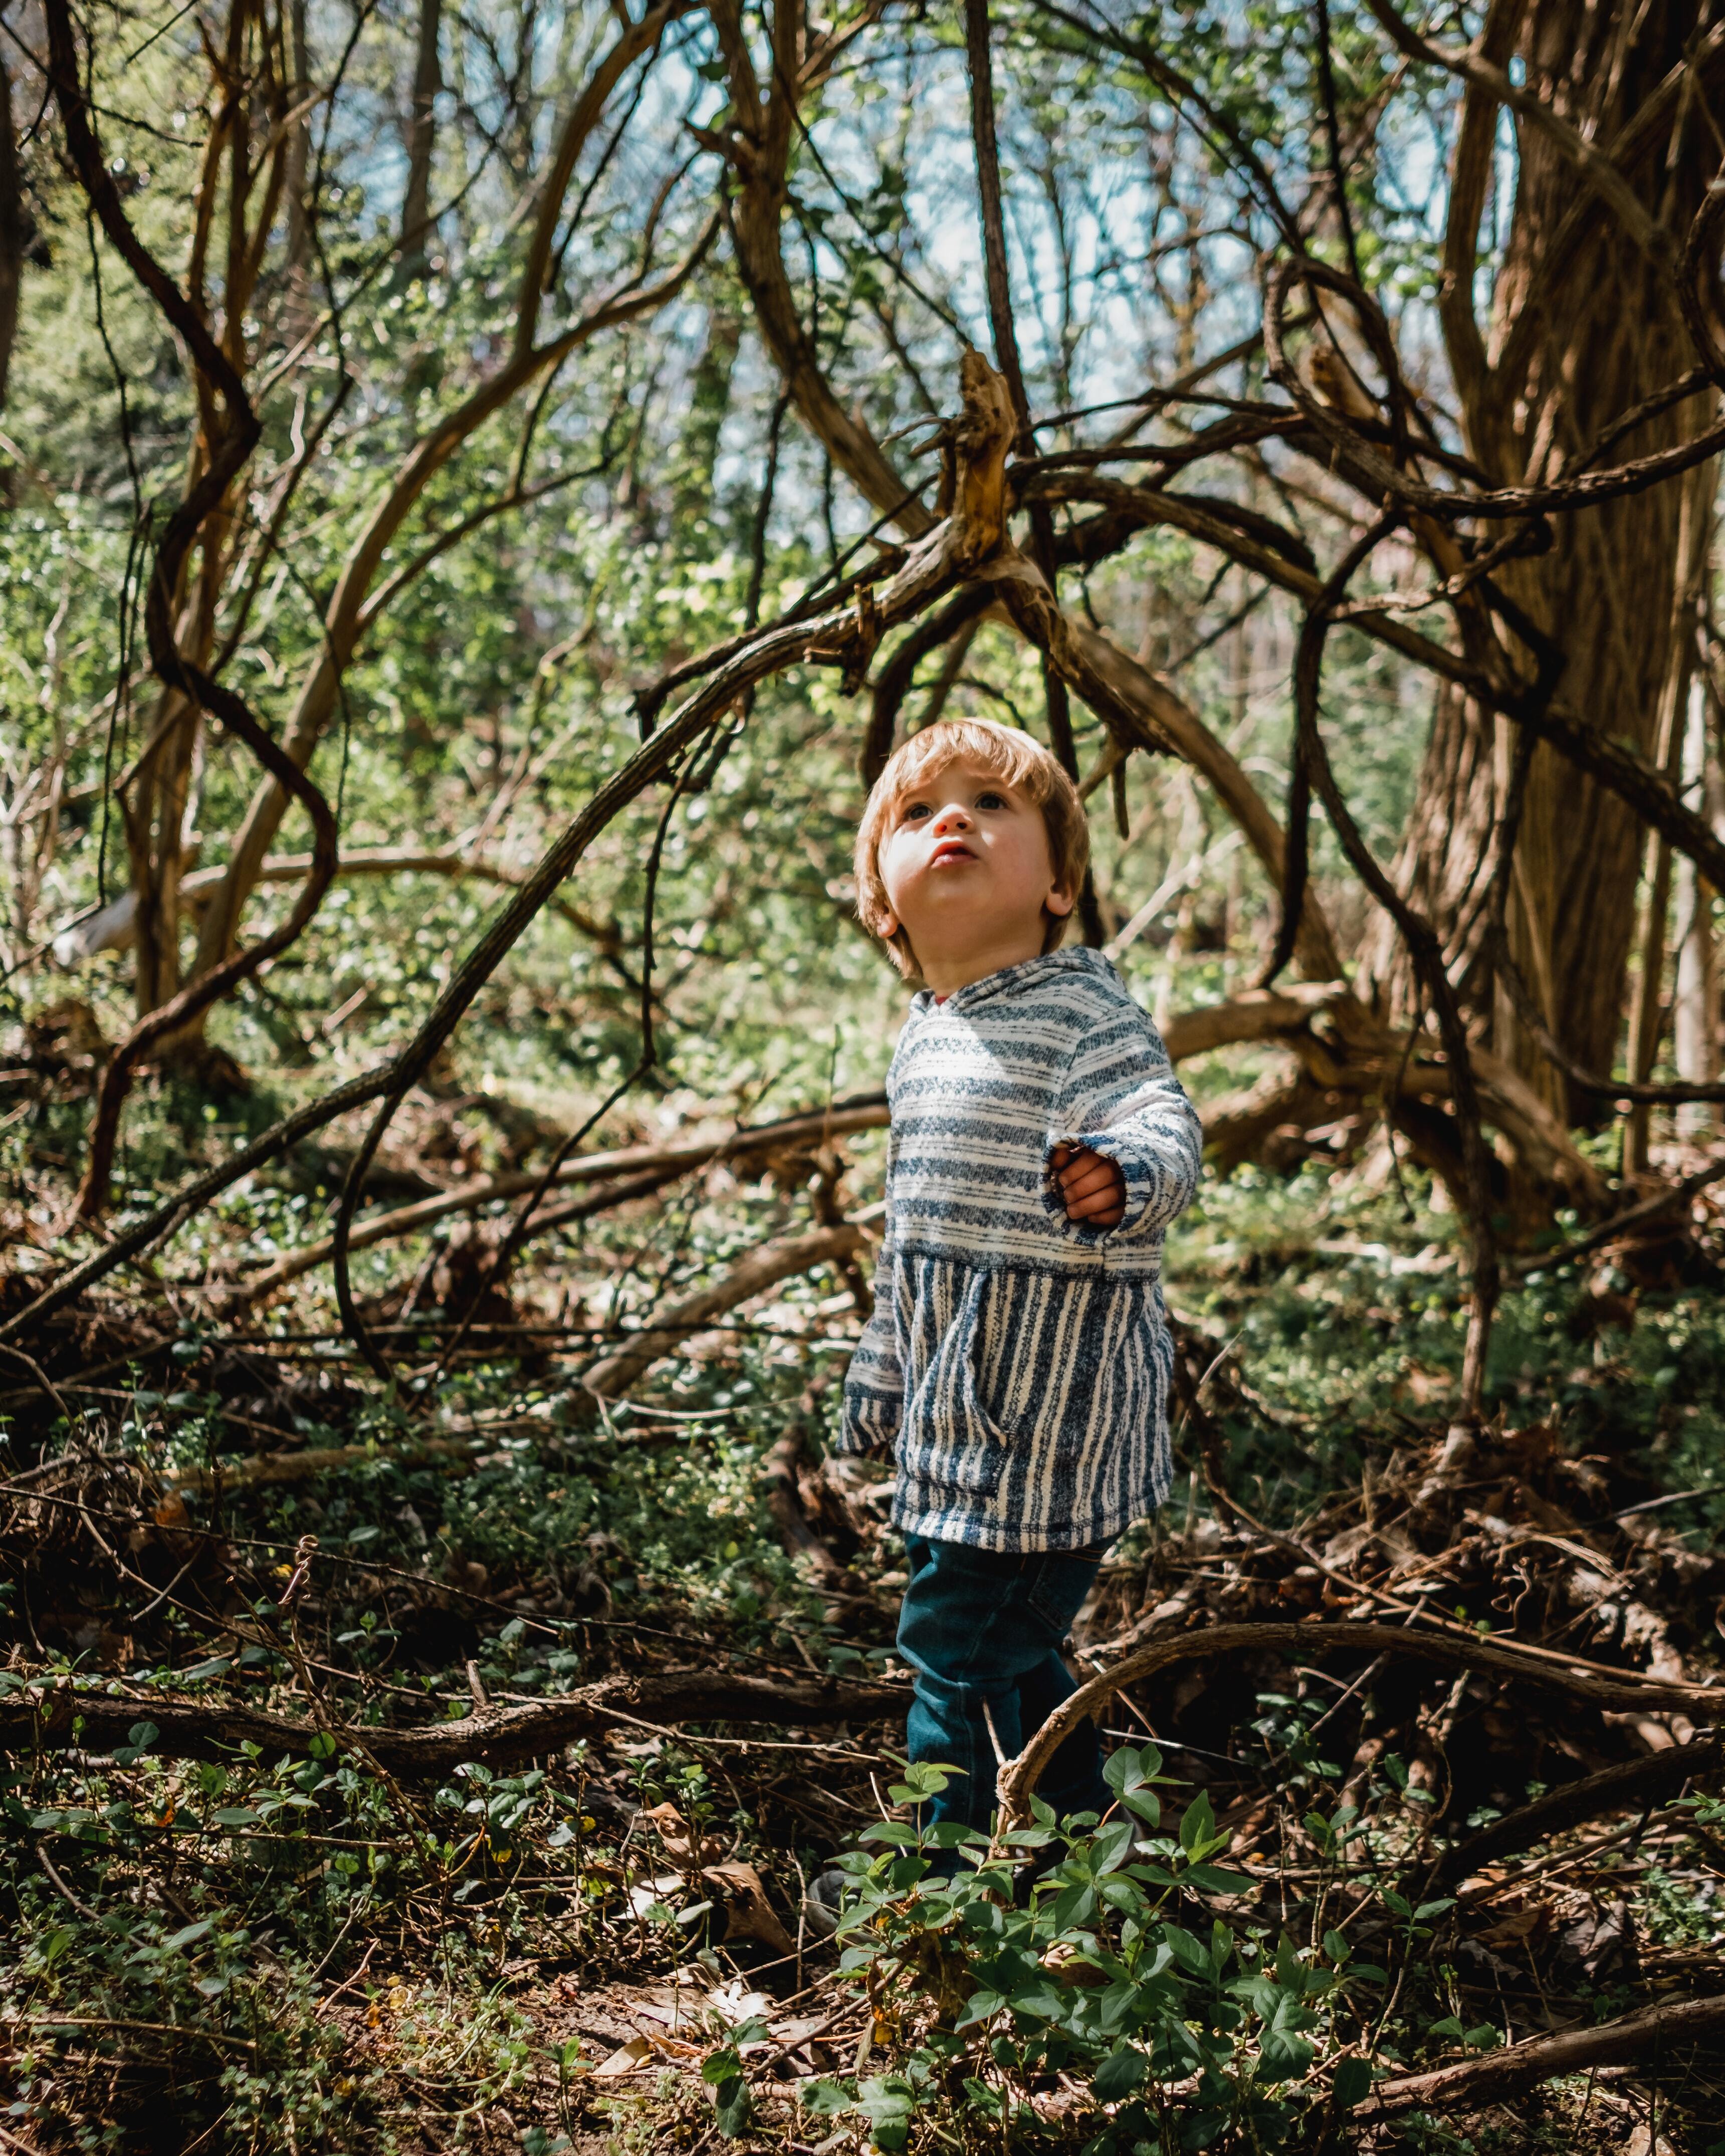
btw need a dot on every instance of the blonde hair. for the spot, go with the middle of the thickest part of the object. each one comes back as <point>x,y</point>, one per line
<point>1012,756</point>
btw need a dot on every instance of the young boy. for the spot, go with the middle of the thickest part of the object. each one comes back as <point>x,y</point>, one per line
<point>1019,1355</point>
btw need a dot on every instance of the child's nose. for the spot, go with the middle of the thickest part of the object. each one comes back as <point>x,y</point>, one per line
<point>951,817</point>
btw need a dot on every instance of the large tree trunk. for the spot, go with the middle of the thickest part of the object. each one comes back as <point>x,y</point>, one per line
<point>1582,327</point>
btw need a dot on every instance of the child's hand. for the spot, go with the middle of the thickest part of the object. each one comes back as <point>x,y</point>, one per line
<point>1091,1184</point>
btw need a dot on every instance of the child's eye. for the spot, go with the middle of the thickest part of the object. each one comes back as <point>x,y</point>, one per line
<point>991,801</point>
<point>916,812</point>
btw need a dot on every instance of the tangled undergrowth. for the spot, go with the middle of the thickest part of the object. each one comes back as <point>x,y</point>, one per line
<point>1329,1874</point>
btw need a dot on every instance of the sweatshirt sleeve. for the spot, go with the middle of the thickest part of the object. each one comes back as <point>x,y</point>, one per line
<point>875,1383</point>
<point>1120,1097</point>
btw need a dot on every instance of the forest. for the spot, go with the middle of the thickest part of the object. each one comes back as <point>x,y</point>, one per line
<point>483,492</point>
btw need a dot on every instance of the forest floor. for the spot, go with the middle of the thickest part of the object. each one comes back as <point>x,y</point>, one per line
<point>360,1794</point>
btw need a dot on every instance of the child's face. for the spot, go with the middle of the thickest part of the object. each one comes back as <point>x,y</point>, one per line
<point>966,863</point>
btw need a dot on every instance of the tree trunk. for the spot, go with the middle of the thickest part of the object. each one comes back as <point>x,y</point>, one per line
<point>1696,1044</point>
<point>1582,327</point>
<point>12,230</point>
<point>299,147</point>
<point>422,139</point>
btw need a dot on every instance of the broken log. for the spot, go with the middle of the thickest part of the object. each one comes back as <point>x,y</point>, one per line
<point>277,1467</point>
<point>44,1717</point>
<point>1632,1782</point>
<point>1636,2039</point>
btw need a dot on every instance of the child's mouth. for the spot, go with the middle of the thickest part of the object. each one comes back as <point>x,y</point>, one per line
<point>950,849</point>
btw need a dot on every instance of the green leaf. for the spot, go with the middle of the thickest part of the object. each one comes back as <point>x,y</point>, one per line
<point>236,1815</point>
<point>1210,1881</point>
<point>1113,1846</point>
<point>731,2107</point>
<point>980,2006</point>
<point>1197,1823</point>
<point>191,1932</point>
<point>1352,2083</point>
<point>825,2099</point>
<point>1128,1770</point>
<point>1187,1951</point>
<point>896,1833</point>
<point>1119,2074</point>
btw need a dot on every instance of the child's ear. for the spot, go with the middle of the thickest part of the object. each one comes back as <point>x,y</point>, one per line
<point>887,927</point>
<point>1058,903</point>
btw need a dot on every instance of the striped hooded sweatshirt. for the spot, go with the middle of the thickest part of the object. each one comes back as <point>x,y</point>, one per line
<point>1019,1360</point>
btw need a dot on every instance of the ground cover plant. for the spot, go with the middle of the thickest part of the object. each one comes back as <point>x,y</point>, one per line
<point>481,494</point>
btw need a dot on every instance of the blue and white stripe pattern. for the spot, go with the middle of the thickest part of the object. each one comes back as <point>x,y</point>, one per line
<point>1020,1360</point>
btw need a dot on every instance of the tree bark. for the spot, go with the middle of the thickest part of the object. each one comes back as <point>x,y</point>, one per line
<point>12,231</point>
<point>1584,325</point>
<point>422,140</point>
<point>1696,1028</point>
<point>190,1728</point>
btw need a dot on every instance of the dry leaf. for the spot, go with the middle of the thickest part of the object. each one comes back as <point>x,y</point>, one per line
<point>1520,1928</point>
<point>736,2004</point>
<point>749,1915</point>
<point>636,2052</point>
<point>681,1844</point>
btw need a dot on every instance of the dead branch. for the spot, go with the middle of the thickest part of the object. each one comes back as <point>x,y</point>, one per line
<point>1632,1782</point>
<point>762,1269</point>
<point>1634,1216</point>
<point>641,1168</point>
<point>274,1468</point>
<point>1342,1048</point>
<point>778,1482</point>
<point>1632,2040</point>
<point>1613,763</point>
<point>198,1728</point>
<point>1456,1650</point>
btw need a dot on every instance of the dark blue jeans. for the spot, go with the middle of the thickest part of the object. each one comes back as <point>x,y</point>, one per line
<point>977,1625</point>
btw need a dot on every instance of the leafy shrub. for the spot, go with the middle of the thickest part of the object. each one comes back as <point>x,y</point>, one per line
<point>1055,1956</point>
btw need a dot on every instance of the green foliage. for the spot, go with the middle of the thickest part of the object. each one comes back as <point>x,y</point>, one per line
<point>982,1991</point>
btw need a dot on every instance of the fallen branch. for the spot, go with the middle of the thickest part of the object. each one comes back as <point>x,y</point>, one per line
<point>645,1168</point>
<point>1632,1782</point>
<point>198,1728</point>
<point>1340,1047</point>
<point>276,1467</point>
<point>761,1269</point>
<point>1458,1650</point>
<point>779,1482</point>
<point>1634,1216</point>
<point>1633,2040</point>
